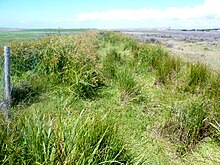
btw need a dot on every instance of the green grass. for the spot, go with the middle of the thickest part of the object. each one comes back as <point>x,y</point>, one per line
<point>48,139</point>
<point>106,98</point>
<point>32,34</point>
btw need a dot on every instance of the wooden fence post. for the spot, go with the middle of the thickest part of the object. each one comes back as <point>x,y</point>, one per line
<point>7,87</point>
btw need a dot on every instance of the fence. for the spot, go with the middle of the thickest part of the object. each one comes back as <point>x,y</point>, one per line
<point>6,85</point>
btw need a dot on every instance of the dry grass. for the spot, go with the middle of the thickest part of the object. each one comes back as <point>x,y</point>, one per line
<point>203,52</point>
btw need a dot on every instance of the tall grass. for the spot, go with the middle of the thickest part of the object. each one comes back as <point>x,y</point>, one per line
<point>43,139</point>
<point>127,84</point>
<point>187,125</point>
<point>198,76</point>
<point>167,69</point>
<point>111,63</point>
<point>212,89</point>
<point>216,125</point>
<point>70,60</point>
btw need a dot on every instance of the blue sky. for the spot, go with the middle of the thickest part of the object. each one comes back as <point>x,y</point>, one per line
<point>109,14</point>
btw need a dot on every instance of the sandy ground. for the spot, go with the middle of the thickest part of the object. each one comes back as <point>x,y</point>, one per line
<point>205,52</point>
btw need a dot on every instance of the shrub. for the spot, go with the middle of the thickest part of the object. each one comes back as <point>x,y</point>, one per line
<point>206,49</point>
<point>152,40</point>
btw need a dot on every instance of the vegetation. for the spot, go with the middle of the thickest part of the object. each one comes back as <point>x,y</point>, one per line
<point>106,98</point>
<point>8,35</point>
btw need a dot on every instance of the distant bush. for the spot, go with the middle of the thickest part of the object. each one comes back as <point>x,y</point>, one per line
<point>206,49</point>
<point>152,40</point>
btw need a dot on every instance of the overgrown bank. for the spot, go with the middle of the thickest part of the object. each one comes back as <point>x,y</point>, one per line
<point>107,98</point>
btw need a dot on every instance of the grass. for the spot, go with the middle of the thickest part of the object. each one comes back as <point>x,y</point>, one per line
<point>32,34</point>
<point>105,98</point>
<point>199,75</point>
<point>190,126</point>
<point>43,138</point>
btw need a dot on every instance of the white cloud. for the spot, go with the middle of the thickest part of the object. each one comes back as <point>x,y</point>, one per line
<point>208,10</point>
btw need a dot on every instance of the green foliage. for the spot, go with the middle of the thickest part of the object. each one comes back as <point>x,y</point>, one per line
<point>111,62</point>
<point>88,139</point>
<point>198,76</point>
<point>70,60</point>
<point>167,69</point>
<point>212,89</point>
<point>117,39</point>
<point>126,83</point>
<point>206,49</point>
<point>187,125</point>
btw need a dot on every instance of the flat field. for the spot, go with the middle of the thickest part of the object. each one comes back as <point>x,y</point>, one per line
<point>194,46</point>
<point>8,35</point>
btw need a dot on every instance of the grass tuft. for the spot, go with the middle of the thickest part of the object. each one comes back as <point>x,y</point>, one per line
<point>42,139</point>
<point>187,126</point>
<point>198,77</point>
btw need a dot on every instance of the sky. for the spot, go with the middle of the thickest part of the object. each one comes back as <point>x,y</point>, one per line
<point>110,14</point>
